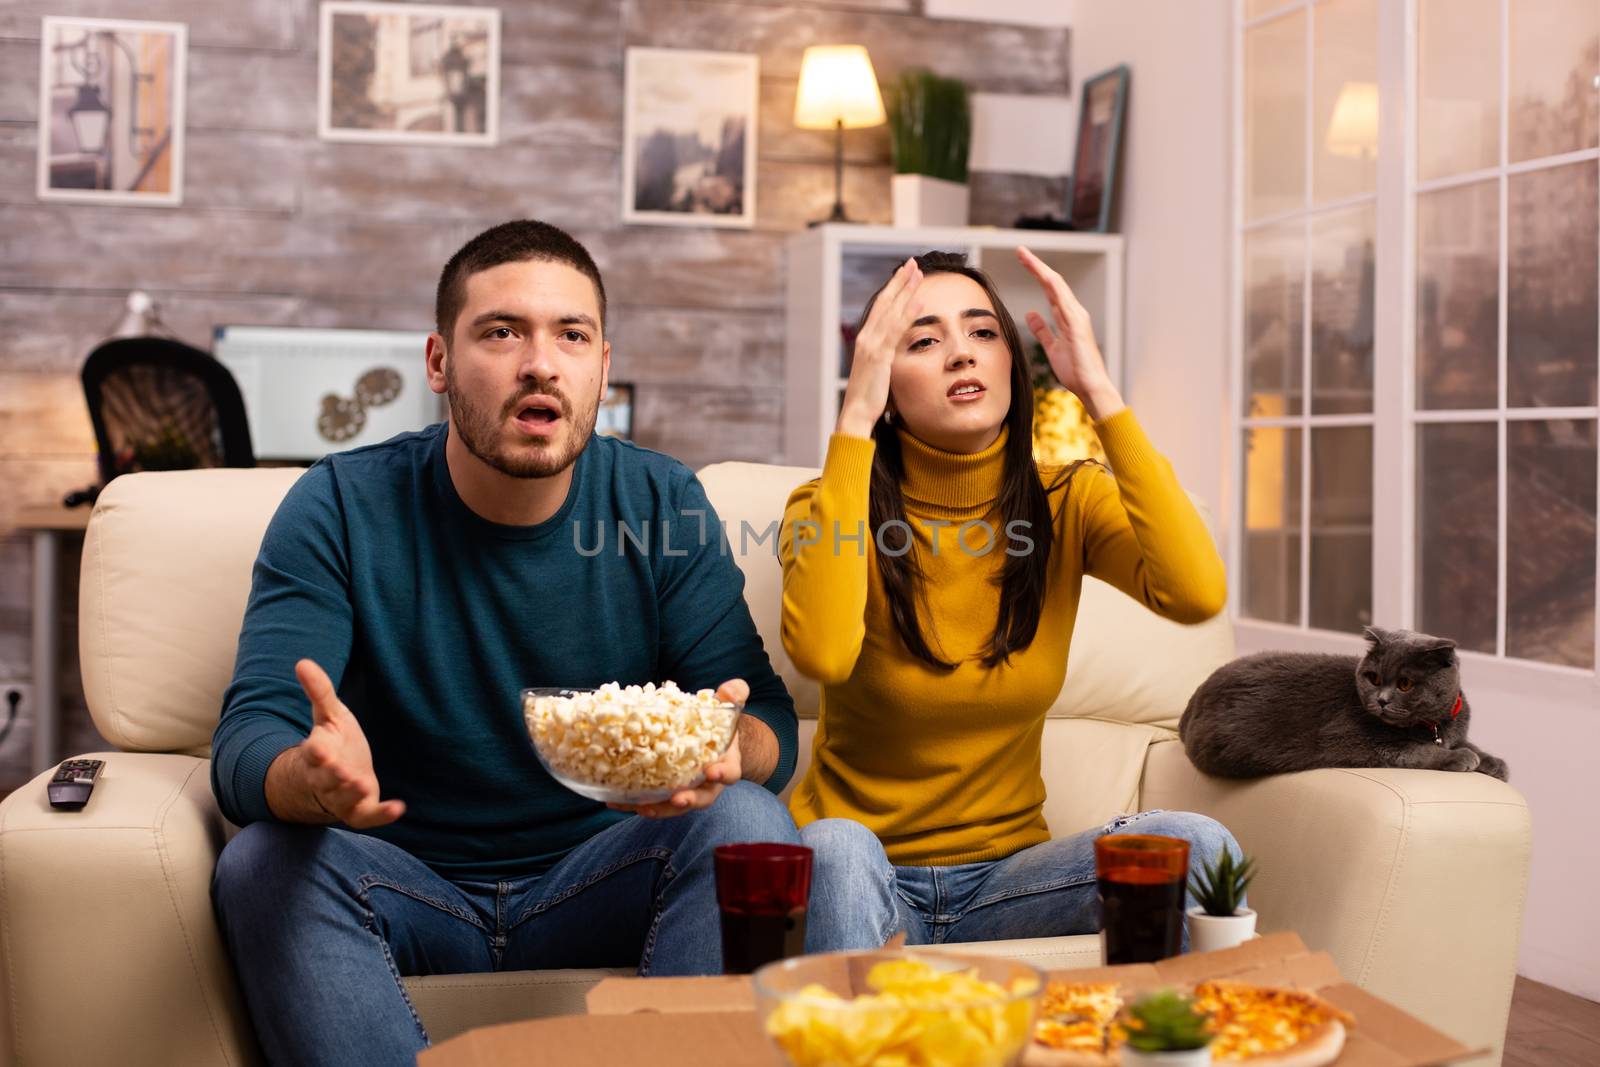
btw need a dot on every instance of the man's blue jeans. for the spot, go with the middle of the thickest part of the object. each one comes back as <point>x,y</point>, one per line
<point>323,922</point>
<point>859,899</point>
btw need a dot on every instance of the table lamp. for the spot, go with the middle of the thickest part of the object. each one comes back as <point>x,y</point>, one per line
<point>838,91</point>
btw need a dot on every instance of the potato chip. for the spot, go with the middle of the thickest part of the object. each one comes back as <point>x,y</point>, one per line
<point>915,1016</point>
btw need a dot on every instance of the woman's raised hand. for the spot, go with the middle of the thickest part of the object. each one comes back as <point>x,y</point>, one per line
<point>866,394</point>
<point>1073,353</point>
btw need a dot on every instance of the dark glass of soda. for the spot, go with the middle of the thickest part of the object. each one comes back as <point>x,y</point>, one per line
<point>762,891</point>
<point>1142,880</point>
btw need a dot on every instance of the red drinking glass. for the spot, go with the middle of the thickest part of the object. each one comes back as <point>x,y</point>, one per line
<point>762,890</point>
<point>1142,879</point>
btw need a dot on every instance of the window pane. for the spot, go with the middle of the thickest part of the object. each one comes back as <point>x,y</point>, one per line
<point>1275,117</point>
<point>1252,8</point>
<point>1271,586</point>
<point>1345,119</point>
<point>1274,319</point>
<point>1550,559</point>
<point>1341,528</point>
<point>1555,52</point>
<point>1341,311</point>
<point>1552,230</point>
<point>1458,86</point>
<point>1458,297</point>
<point>1457,520</point>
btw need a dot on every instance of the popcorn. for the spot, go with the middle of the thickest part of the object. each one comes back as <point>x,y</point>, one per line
<point>630,740</point>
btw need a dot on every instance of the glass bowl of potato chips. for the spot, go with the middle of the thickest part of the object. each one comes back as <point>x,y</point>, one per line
<point>903,1006</point>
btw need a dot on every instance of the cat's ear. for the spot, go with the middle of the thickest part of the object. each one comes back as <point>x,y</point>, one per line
<point>1441,652</point>
<point>1375,635</point>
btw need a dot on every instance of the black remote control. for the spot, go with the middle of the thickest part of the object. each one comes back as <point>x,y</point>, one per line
<point>72,783</point>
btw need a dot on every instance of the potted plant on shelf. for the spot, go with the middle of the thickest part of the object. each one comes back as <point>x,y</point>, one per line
<point>1165,1029</point>
<point>1221,920</point>
<point>930,126</point>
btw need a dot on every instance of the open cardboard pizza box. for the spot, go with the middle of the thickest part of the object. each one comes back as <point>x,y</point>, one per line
<point>711,1022</point>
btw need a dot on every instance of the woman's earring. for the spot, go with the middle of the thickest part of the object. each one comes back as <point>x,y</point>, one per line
<point>888,416</point>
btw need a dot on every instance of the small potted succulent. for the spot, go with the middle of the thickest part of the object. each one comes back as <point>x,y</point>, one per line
<point>1221,920</point>
<point>1165,1029</point>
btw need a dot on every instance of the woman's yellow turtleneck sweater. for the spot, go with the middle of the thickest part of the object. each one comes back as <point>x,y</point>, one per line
<point>944,765</point>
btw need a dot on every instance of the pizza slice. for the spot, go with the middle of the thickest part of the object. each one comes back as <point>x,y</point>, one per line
<point>1077,1026</point>
<point>1277,1027</point>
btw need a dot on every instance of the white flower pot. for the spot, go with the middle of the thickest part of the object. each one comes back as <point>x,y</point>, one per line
<point>923,201</point>
<point>1189,1057</point>
<point>1207,933</point>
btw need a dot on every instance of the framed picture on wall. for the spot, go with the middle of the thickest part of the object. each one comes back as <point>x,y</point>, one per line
<point>1101,107</point>
<point>689,137</point>
<point>408,73</point>
<point>615,415</point>
<point>111,100</point>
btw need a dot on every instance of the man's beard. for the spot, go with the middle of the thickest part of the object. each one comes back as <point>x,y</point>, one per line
<point>482,433</point>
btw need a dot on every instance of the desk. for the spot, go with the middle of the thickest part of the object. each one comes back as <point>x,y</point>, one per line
<point>47,524</point>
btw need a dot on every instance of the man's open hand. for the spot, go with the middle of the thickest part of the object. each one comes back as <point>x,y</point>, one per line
<point>336,760</point>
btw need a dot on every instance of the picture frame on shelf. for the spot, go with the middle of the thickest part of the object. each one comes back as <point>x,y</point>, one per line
<point>614,418</point>
<point>689,137</point>
<point>112,94</point>
<point>1102,107</point>
<point>395,73</point>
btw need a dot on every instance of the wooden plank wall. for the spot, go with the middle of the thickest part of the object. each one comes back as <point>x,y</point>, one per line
<point>280,228</point>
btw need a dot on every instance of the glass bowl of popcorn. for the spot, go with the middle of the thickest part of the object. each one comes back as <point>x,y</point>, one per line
<point>904,1006</point>
<point>633,744</point>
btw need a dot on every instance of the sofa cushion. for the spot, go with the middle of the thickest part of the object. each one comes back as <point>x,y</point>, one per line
<point>166,573</point>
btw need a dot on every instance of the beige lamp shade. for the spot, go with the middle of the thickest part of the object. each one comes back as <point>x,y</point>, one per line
<point>837,85</point>
<point>1353,130</point>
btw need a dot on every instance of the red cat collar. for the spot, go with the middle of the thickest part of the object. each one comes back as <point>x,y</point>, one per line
<point>1455,710</point>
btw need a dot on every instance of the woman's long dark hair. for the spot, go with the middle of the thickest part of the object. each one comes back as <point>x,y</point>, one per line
<point>1024,576</point>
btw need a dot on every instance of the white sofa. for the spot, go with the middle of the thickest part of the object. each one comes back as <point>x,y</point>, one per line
<point>1413,880</point>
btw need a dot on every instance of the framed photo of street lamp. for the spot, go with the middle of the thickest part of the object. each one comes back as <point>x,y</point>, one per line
<point>689,137</point>
<point>111,99</point>
<point>408,73</point>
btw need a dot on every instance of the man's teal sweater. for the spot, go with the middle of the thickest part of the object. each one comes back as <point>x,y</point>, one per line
<point>431,619</point>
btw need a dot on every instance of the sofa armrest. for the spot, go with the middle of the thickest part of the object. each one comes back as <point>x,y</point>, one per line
<point>109,952</point>
<point>1413,880</point>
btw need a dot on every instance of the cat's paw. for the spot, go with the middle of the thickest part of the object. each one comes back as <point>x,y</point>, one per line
<point>1494,767</point>
<point>1460,759</point>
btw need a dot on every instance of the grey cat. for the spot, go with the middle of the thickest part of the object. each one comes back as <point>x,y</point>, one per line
<point>1400,705</point>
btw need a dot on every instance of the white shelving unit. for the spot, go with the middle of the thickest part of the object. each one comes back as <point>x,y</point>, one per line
<point>834,268</point>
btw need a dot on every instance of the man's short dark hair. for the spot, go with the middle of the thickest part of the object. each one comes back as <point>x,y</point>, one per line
<point>509,242</point>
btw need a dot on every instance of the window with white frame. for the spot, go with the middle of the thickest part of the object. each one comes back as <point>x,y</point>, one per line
<point>1306,330</point>
<point>1485,489</point>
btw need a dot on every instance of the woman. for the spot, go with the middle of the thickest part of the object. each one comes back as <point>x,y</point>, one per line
<point>931,579</point>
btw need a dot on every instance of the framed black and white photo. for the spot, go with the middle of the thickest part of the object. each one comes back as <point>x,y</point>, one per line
<point>689,137</point>
<point>614,418</point>
<point>1101,107</point>
<point>408,73</point>
<point>111,102</point>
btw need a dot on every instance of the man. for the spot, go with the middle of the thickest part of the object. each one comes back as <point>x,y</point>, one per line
<point>412,588</point>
